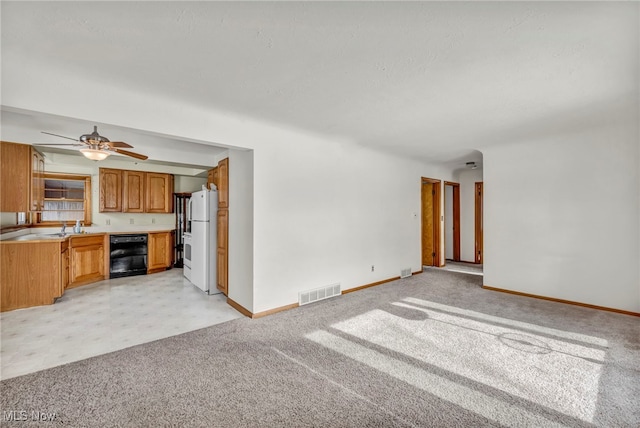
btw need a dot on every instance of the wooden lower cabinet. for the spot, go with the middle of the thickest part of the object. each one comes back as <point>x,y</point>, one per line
<point>64,266</point>
<point>30,274</point>
<point>159,251</point>
<point>86,259</point>
<point>222,262</point>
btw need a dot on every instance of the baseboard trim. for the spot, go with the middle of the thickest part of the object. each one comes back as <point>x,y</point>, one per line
<point>275,310</point>
<point>251,315</point>
<point>238,307</point>
<point>373,284</point>
<point>568,302</point>
<point>247,313</point>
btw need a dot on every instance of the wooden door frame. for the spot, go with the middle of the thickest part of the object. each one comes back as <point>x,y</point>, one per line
<point>479,194</point>
<point>436,216</point>
<point>456,218</point>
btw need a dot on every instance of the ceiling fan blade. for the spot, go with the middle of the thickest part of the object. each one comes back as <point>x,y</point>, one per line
<point>119,144</point>
<point>132,154</point>
<point>61,136</point>
<point>57,144</point>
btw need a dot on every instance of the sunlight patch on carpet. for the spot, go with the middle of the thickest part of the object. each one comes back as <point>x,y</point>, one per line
<point>482,404</point>
<point>554,373</point>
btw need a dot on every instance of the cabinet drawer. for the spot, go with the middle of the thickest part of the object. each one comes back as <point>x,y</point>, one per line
<point>81,241</point>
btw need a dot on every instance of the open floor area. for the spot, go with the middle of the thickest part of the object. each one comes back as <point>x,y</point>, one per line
<point>105,317</point>
<point>431,350</point>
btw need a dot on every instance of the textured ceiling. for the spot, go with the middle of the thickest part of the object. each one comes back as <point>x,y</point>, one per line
<point>425,79</point>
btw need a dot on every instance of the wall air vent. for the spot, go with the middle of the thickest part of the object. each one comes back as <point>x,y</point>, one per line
<point>316,294</point>
<point>405,273</point>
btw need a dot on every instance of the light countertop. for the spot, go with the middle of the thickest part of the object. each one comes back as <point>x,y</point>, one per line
<point>53,233</point>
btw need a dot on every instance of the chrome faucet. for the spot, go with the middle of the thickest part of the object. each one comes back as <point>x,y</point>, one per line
<point>64,226</point>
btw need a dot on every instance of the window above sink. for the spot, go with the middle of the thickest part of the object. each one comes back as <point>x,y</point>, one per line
<point>67,198</point>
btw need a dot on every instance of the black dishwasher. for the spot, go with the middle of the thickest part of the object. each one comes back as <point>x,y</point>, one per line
<point>128,255</point>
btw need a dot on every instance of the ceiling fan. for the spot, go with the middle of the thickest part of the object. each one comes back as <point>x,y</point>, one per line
<point>96,147</point>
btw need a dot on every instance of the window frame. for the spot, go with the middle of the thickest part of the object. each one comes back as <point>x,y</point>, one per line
<point>69,177</point>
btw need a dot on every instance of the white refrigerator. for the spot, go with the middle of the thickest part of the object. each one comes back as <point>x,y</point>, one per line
<point>203,214</point>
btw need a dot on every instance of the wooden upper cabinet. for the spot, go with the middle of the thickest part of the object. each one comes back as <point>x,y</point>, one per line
<point>133,191</point>
<point>223,183</point>
<point>15,177</point>
<point>159,192</point>
<point>110,190</point>
<point>211,178</point>
<point>37,180</point>
<point>215,176</point>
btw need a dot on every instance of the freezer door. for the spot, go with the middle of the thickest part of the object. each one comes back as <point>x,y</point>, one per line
<point>200,206</point>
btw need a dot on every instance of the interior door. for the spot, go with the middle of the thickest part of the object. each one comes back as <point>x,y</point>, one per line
<point>478,222</point>
<point>452,220</point>
<point>430,222</point>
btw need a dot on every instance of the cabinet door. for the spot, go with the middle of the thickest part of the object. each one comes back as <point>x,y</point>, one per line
<point>210,179</point>
<point>159,193</point>
<point>215,177</point>
<point>110,190</point>
<point>223,183</point>
<point>222,251</point>
<point>30,274</point>
<point>15,177</point>
<point>133,191</point>
<point>223,276</point>
<point>64,271</point>
<point>37,180</point>
<point>87,264</point>
<point>159,250</point>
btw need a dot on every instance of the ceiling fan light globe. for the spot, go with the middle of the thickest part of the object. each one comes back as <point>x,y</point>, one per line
<point>94,154</point>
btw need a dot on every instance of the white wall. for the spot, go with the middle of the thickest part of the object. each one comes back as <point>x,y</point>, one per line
<point>184,184</point>
<point>561,217</point>
<point>8,219</point>
<point>326,212</point>
<point>448,222</point>
<point>467,179</point>
<point>241,284</point>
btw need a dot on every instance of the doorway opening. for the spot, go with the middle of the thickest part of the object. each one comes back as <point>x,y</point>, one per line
<point>451,221</point>
<point>430,195</point>
<point>478,223</point>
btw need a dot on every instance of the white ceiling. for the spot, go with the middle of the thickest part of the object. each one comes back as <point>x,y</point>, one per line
<point>433,80</point>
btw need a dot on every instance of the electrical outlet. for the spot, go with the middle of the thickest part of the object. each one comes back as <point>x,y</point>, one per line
<point>108,222</point>
<point>373,268</point>
<point>130,221</point>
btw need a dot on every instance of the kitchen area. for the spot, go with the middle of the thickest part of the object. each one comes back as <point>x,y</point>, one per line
<point>93,256</point>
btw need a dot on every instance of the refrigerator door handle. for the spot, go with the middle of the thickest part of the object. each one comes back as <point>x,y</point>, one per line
<point>189,209</point>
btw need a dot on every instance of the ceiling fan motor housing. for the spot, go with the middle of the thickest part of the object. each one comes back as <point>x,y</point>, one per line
<point>94,137</point>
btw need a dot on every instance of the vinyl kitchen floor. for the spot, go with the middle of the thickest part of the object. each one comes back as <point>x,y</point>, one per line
<point>104,317</point>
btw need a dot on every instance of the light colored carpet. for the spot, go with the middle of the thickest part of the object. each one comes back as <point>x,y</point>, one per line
<point>450,265</point>
<point>433,350</point>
